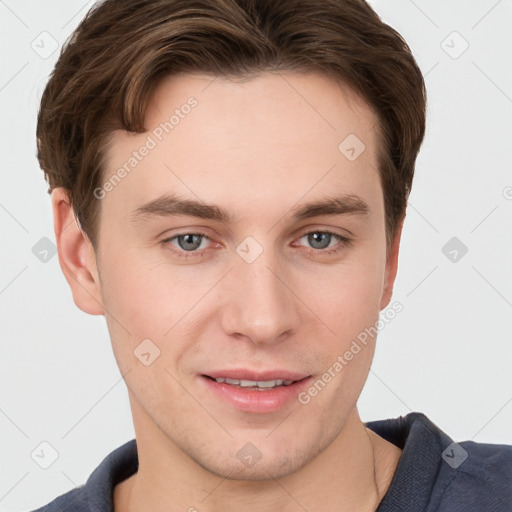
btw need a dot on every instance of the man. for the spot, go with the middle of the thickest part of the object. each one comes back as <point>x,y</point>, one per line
<point>229,181</point>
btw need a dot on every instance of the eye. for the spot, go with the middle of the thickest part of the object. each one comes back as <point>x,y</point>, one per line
<point>192,243</point>
<point>325,241</point>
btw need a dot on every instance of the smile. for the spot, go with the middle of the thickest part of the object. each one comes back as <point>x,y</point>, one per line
<point>261,385</point>
<point>251,392</point>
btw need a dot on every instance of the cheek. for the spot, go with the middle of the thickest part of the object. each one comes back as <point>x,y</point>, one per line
<point>141,291</point>
<point>347,298</point>
<point>350,308</point>
<point>152,300</point>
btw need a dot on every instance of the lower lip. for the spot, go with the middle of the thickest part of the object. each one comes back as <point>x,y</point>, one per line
<point>253,400</point>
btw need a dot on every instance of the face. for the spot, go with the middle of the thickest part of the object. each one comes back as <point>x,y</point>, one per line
<point>244,243</point>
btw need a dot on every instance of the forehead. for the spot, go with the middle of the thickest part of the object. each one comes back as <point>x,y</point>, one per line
<point>270,138</point>
<point>273,108</point>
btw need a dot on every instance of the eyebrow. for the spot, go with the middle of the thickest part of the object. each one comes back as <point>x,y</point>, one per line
<point>171,205</point>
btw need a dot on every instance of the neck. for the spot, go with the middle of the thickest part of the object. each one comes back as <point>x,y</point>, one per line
<point>352,473</point>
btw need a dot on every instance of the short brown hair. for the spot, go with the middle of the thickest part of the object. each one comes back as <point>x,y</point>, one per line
<point>109,65</point>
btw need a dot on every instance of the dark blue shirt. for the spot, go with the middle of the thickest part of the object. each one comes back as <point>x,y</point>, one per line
<point>434,473</point>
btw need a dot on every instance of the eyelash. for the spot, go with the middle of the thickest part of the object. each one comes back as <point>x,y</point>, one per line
<point>342,242</point>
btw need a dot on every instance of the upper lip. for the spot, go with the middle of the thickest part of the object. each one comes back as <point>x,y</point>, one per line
<point>258,376</point>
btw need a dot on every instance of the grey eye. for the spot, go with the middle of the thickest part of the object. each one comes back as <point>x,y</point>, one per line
<point>189,242</point>
<point>319,240</point>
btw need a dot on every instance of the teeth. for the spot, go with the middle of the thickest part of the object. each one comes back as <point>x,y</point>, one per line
<point>266,384</point>
<point>248,383</point>
<point>261,384</point>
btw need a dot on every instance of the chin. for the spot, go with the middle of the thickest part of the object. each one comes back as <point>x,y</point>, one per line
<point>260,471</point>
<point>248,463</point>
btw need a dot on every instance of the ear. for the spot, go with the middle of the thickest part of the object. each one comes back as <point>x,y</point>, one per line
<point>391,267</point>
<point>76,255</point>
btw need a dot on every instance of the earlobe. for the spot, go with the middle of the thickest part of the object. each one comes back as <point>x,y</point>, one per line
<point>76,255</point>
<point>391,268</point>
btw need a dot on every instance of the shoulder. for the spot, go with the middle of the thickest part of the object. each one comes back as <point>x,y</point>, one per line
<point>97,493</point>
<point>74,500</point>
<point>478,476</point>
<point>437,474</point>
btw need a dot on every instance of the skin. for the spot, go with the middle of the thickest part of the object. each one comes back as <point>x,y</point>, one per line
<point>258,148</point>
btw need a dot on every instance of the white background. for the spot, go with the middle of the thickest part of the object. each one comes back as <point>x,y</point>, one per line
<point>447,354</point>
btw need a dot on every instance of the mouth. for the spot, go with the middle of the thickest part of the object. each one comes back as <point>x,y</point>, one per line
<point>257,392</point>
<point>260,385</point>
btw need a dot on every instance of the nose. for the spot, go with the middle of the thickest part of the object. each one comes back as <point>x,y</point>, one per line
<point>259,305</point>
